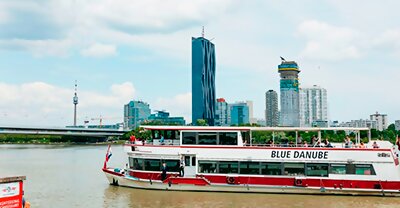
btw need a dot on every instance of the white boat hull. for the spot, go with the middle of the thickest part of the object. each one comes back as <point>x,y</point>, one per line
<point>127,181</point>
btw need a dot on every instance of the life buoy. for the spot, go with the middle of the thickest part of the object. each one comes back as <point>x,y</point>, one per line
<point>298,182</point>
<point>230,180</point>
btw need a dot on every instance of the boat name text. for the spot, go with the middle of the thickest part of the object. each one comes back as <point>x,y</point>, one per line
<point>289,154</point>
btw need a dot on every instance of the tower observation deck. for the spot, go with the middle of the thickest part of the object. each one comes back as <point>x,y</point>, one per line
<point>289,95</point>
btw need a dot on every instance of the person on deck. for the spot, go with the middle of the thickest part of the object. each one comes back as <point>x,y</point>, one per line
<point>348,143</point>
<point>313,140</point>
<point>132,139</point>
<point>375,145</point>
<point>164,170</point>
<point>182,167</point>
<point>327,143</point>
<point>162,140</point>
<point>362,145</point>
<point>299,141</point>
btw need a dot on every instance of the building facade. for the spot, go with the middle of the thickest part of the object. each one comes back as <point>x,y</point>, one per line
<point>361,123</point>
<point>164,118</point>
<point>313,107</point>
<point>203,80</point>
<point>252,120</point>
<point>135,113</point>
<point>222,113</point>
<point>397,125</point>
<point>289,96</point>
<point>239,113</point>
<point>382,122</point>
<point>271,108</point>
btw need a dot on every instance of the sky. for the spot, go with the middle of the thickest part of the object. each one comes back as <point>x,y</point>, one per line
<point>122,50</point>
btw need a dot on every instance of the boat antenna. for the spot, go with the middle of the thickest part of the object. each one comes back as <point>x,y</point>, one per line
<point>202,32</point>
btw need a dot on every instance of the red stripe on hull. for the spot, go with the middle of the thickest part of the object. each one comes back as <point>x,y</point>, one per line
<point>150,175</point>
<point>112,172</point>
<point>272,181</point>
<point>308,182</point>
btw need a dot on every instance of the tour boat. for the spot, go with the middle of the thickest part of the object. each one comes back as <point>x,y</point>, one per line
<point>225,159</point>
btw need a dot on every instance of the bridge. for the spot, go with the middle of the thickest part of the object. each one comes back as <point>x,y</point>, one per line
<point>62,131</point>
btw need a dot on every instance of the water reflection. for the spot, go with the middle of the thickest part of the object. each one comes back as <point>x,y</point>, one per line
<point>128,197</point>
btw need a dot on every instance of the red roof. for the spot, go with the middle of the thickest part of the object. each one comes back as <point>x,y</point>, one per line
<point>221,100</point>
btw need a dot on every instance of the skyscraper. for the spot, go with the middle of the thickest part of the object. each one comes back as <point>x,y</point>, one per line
<point>203,80</point>
<point>222,113</point>
<point>135,113</point>
<point>313,106</point>
<point>289,86</point>
<point>239,113</point>
<point>271,108</point>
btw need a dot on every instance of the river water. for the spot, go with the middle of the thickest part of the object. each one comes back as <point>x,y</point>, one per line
<point>70,176</point>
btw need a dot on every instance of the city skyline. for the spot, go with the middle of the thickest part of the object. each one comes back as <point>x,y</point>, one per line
<point>121,51</point>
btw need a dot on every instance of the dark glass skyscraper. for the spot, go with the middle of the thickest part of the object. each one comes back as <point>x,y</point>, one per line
<point>203,80</point>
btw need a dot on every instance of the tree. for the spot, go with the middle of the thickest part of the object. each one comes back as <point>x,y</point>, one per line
<point>201,122</point>
<point>392,127</point>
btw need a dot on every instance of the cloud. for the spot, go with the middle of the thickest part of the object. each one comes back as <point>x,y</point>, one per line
<point>38,48</point>
<point>99,50</point>
<point>328,42</point>
<point>101,21</point>
<point>389,40</point>
<point>179,105</point>
<point>41,103</point>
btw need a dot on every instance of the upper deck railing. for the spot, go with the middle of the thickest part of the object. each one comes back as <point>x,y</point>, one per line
<point>273,143</point>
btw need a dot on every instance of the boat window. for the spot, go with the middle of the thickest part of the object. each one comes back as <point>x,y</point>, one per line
<point>338,169</point>
<point>228,167</point>
<point>131,163</point>
<point>250,168</point>
<point>188,137</point>
<point>364,170</point>
<point>293,169</point>
<point>187,160</point>
<point>172,165</point>
<point>228,138</point>
<point>152,164</point>
<point>271,168</point>
<point>194,161</point>
<point>207,167</point>
<point>207,138</point>
<point>350,169</point>
<point>316,169</point>
<point>156,134</point>
<point>138,163</point>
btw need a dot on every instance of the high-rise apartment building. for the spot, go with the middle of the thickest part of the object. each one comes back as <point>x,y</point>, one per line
<point>397,125</point>
<point>381,121</point>
<point>271,108</point>
<point>313,107</point>
<point>252,120</point>
<point>239,113</point>
<point>135,113</point>
<point>203,80</point>
<point>222,113</point>
<point>289,87</point>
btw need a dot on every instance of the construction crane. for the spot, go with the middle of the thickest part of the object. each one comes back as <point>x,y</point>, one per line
<point>101,118</point>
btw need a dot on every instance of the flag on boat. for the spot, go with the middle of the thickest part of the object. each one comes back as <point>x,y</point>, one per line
<point>109,153</point>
